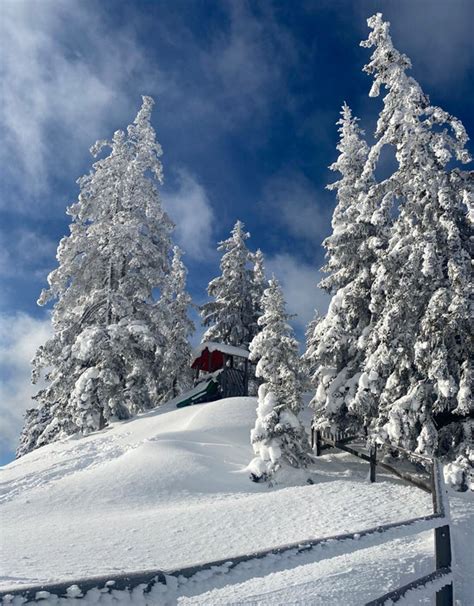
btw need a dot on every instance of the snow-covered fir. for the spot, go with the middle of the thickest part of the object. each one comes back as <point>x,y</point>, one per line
<point>393,353</point>
<point>175,301</point>
<point>309,358</point>
<point>105,356</point>
<point>418,352</point>
<point>334,351</point>
<point>279,439</point>
<point>231,315</point>
<point>258,286</point>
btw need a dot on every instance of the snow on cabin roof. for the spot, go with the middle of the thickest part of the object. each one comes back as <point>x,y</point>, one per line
<point>222,347</point>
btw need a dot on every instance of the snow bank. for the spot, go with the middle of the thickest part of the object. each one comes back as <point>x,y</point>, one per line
<point>169,489</point>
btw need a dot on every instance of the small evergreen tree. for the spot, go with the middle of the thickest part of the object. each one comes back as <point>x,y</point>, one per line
<point>178,327</point>
<point>102,358</point>
<point>419,350</point>
<point>334,353</point>
<point>35,422</point>
<point>309,358</point>
<point>278,439</point>
<point>258,288</point>
<point>230,316</point>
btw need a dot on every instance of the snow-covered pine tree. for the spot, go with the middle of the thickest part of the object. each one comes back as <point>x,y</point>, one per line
<point>259,284</point>
<point>104,357</point>
<point>230,316</point>
<point>334,348</point>
<point>309,357</point>
<point>278,439</point>
<point>35,422</point>
<point>419,351</point>
<point>258,287</point>
<point>178,327</point>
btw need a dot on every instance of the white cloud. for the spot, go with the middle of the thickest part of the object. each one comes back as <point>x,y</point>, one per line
<point>439,40</point>
<point>190,209</point>
<point>26,252</point>
<point>251,60</point>
<point>20,337</point>
<point>70,75</point>
<point>299,282</point>
<point>294,202</point>
<point>436,36</point>
<point>234,75</point>
<point>64,84</point>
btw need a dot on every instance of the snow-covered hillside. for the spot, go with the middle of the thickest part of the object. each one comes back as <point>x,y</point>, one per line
<point>169,488</point>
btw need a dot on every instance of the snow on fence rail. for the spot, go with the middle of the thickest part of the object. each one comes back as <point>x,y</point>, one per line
<point>336,545</point>
<point>147,581</point>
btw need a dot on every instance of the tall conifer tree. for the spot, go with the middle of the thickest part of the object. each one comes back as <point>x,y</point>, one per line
<point>419,350</point>
<point>178,327</point>
<point>334,352</point>
<point>104,357</point>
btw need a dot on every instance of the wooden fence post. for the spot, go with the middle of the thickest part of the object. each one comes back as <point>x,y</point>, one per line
<point>317,442</point>
<point>373,462</point>
<point>444,597</point>
<point>246,378</point>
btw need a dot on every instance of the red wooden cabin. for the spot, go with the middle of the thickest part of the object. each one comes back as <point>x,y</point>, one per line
<point>231,361</point>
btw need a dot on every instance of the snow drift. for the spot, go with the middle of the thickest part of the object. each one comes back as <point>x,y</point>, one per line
<point>168,489</point>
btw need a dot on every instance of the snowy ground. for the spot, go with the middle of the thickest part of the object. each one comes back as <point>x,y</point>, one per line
<point>351,578</point>
<point>169,489</point>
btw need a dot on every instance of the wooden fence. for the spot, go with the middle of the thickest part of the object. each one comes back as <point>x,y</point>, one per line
<point>322,440</point>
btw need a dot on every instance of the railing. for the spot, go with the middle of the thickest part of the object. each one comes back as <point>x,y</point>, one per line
<point>322,440</point>
<point>145,580</point>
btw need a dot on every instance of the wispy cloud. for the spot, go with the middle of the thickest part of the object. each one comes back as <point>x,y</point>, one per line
<point>294,202</point>
<point>70,76</point>
<point>251,60</point>
<point>24,252</point>
<point>237,73</point>
<point>437,36</point>
<point>189,207</point>
<point>65,83</point>
<point>20,336</point>
<point>299,282</point>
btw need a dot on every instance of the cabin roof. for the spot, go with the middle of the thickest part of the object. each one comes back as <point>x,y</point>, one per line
<point>211,346</point>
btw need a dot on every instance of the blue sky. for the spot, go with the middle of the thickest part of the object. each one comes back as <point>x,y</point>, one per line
<point>247,95</point>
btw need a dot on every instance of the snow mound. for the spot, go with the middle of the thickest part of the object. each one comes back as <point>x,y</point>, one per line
<point>168,489</point>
